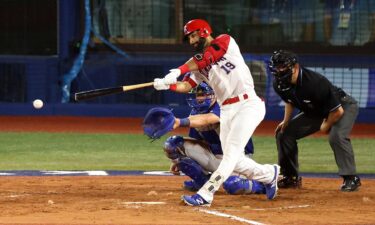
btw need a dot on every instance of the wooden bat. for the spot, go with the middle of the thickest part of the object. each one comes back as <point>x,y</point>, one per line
<point>84,95</point>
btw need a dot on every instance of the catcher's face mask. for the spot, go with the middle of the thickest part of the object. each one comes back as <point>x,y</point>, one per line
<point>201,98</point>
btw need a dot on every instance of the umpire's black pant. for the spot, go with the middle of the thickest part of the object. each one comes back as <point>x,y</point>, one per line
<point>302,125</point>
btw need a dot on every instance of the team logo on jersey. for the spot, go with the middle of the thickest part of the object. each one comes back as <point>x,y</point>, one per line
<point>198,57</point>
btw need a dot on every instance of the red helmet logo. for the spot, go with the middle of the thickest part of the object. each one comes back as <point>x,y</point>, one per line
<point>203,28</point>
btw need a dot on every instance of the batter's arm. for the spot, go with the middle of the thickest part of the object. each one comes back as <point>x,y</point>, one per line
<point>211,54</point>
<point>192,65</point>
<point>181,87</point>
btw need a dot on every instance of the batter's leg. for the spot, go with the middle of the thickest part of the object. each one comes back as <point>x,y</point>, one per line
<point>234,136</point>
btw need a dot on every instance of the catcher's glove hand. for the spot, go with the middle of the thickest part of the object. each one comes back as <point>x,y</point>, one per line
<point>157,122</point>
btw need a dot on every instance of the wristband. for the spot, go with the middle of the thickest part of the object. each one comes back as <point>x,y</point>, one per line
<point>173,87</point>
<point>184,69</point>
<point>185,122</point>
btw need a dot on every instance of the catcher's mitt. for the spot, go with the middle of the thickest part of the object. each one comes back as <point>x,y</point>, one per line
<point>157,122</point>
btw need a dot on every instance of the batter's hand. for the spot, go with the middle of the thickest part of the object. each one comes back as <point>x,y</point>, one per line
<point>159,84</point>
<point>171,77</point>
<point>174,169</point>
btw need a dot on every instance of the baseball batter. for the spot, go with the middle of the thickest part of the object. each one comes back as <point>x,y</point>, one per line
<point>200,154</point>
<point>220,64</point>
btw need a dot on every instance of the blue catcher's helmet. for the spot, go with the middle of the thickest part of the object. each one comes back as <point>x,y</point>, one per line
<point>201,98</point>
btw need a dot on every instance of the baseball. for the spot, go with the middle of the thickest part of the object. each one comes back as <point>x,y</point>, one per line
<point>37,103</point>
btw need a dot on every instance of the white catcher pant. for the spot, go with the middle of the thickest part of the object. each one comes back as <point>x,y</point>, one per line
<point>237,124</point>
<point>203,156</point>
<point>206,159</point>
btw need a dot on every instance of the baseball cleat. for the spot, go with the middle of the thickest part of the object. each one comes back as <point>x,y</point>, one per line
<point>351,183</point>
<point>195,200</point>
<point>271,188</point>
<point>290,182</point>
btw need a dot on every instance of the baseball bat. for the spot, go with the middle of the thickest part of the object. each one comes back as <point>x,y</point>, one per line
<point>84,95</point>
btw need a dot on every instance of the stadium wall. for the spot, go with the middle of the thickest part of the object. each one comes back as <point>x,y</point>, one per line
<point>41,79</point>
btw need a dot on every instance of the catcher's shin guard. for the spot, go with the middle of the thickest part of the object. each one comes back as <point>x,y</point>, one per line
<point>258,188</point>
<point>235,185</point>
<point>192,169</point>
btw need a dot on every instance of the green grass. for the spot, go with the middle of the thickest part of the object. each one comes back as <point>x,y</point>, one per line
<point>316,155</point>
<point>73,151</point>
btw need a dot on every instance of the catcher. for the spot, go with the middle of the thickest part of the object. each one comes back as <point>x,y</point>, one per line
<point>200,154</point>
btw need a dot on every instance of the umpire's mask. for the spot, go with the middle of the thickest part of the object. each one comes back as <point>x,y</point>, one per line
<point>281,67</point>
<point>201,98</point>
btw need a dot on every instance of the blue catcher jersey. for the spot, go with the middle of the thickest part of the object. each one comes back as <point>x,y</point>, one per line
<point>211,133</point>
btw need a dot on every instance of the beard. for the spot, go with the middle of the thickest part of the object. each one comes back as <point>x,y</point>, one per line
<point>200,45</point>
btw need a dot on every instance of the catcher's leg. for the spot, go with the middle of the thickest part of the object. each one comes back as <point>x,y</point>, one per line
<point>201,153</point>
<point>192,169</point>
<point>203,159</point>
<point>178,150</point>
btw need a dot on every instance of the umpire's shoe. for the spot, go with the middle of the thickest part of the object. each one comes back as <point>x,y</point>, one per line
<point>271,188</point>
<point>351,183</point>
<point>290,182</point>
<point>195,200</point>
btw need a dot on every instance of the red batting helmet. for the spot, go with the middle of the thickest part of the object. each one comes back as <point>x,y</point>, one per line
<point>203,28</point>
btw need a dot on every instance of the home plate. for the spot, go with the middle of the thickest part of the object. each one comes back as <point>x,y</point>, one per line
<point>143,203</point>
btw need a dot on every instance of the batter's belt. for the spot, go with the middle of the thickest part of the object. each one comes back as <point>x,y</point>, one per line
<point>236,99</point>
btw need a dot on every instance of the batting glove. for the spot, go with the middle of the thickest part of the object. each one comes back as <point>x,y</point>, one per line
<point>159,84</point>
<point>171,77</point>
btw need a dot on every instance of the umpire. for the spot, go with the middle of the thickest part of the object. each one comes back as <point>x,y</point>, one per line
<point>323,107</point>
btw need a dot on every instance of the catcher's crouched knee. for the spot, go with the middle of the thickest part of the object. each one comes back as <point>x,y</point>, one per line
<point>174,147</point>
<point>236,185</point>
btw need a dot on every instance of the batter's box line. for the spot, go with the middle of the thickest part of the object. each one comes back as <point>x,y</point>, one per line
<point>232,217</point>
<point>282,207</point>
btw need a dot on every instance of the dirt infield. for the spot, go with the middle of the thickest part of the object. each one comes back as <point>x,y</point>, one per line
<point>117,200</point>
<point>156,199</point>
